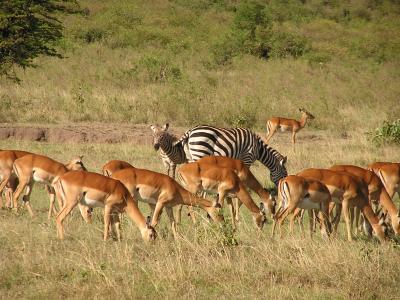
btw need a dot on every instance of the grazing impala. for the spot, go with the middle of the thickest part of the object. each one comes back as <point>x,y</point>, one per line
<point>198,177</point>
<point>33,168</point>
<point>8,178</point>
<point>347,191</point>
<point>389,173</point>
<point>376,192</point>
<point>304,193</point>
<point>284,124</point>
<point>95,190</point>
<point>162,191</point>
<point>245,175</point>
<point>113,166</point>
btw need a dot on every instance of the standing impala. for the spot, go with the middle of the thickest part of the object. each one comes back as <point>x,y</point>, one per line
<point>33,168</point>
<point>198,177</point>
<point>8,178</point>
<point>284,124</point>
<point>305,193</point>
<point>389,173</point>
<point>376,192</point>
<point>347,191</point>
<point>95,190</point>
<point>162,191</point>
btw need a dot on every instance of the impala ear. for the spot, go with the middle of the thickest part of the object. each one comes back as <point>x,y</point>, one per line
<point>262,207</point>
<point>165,127</point>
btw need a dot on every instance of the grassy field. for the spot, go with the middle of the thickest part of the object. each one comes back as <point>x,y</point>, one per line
<point>204,262</point>
<point>145,62</point>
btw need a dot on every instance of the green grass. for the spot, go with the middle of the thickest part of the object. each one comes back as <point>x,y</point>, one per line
<point>201,263</point>
<point>146,62</point>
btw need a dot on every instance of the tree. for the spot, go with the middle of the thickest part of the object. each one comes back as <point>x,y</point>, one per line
<point>28,29</point>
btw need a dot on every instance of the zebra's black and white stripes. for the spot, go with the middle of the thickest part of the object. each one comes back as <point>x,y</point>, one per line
<point>170,153</point>
<point>238,143</point>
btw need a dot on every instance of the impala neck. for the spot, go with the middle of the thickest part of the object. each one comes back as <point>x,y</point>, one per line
<point>303,120</point>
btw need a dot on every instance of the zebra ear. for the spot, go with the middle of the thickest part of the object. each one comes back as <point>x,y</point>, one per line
<point>152,127</point>
<point>283,161</point>
<point>165,127</point>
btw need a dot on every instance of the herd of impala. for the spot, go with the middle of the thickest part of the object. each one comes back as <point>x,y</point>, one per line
<point>324,193</point>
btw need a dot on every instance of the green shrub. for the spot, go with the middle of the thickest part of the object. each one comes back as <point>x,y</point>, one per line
<point>155,69</point>
<point>387,133</point>
<point>92,35</point>
<point>285,44</point>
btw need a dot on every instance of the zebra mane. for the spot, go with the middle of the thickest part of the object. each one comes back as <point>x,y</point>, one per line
<point>263,145</point>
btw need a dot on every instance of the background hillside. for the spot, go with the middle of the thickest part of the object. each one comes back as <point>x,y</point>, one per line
<point>215,62</point>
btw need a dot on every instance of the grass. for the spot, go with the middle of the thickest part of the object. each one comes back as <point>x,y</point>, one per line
<point>146,62</point>
<point>201,263</point>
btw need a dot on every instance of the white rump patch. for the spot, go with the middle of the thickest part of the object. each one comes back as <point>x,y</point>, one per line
<point>91,203</point>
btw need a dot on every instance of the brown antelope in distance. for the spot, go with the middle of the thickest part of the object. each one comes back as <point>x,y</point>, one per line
<point>161,191</point>
<point>33,168</point>
<point>303,193</point>
<point>245,175</point>
<point>389,174</point>
<point>8,179</point>
<point>285,124</point>
<point>198,177</point>
<point>376,192</point>
<point>95,190</point>
<point>347,191</point>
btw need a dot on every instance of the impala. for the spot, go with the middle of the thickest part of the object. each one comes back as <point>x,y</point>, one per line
<point>8,178</point>
<point>33,168</point>
<point>284,124</point>
<point>113,166</point>
<point>198,177</point>
<point>347,191</point>
<point>162,191</point>
<point>245,175</point>
<point>303,193</point>
<point>376,191</point>
<point>96,190</point>
<point>389,173</point>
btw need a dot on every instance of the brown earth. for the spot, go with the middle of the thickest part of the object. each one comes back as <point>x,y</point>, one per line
<point>107,133</point>
<point>82,133</point>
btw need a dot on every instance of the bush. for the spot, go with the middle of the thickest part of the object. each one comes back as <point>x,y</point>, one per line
<point>252,33</point>
<point>387,133</point>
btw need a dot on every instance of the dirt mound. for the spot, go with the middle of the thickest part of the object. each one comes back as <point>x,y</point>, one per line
<point>82,133</point>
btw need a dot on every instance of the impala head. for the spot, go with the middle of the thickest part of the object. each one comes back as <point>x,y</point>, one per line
<point>158,134</point>
<point>271,202</point>
<point>148,232</point>
<point>306,113</point>
<point>76,164</point>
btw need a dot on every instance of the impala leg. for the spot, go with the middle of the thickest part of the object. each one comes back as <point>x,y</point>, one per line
<point>85,213</point>
<point>336,219</point>
<point>231,211</point>
<point>62,215</point>
<point>345,211</point>
<point>27,196</point>
<point>5,180</point>
<point>107,220</point>
<point>8,195</point>
<point>294,137</point>
<point>157,213</point>
<point>18,191</point>
<point>116,223</point>
<point>51,193</point>
<point>237,204</point>
<point>290,209</point>
<point>170,214</point>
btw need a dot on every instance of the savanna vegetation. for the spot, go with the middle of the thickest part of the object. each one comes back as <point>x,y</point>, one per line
<point>218,62</point>
<point>227,63</point>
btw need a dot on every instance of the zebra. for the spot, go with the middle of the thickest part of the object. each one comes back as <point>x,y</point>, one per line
<point>238,143</point>
<point>171,154</point>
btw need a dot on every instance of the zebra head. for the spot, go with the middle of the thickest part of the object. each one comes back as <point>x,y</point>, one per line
<point>278,171</point>
<point>161,136</point>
